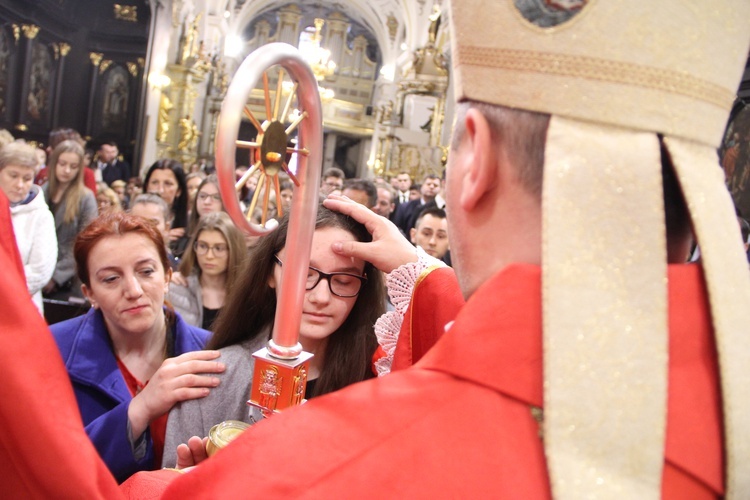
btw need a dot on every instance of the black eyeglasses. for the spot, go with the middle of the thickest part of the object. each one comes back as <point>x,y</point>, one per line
<point>340,284</point>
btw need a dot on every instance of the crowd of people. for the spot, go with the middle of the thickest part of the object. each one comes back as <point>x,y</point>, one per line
<point>574,352</point>
<point>159,267</point>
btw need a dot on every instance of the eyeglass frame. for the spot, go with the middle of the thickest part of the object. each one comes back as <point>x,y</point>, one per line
<point>210,248</point>
<point>327,276</point>
<point>206,196</point>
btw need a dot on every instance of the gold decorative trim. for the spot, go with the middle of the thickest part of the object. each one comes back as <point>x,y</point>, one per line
<point>96,58</point>
<point>141,62</point>
<point>104,65</point>
<point>597,69</point>
<point>604,311</point>
<point>126,13</point>
<point>55,51</point>
<point>30,31</point>
<point>133,68</point>
<point>537,414</point>
<point>64,48</point>
<point>21,127</point>
<point>16,32</point>
<point>392,24</point>
<point>728,284</point>
<point>422,276</point>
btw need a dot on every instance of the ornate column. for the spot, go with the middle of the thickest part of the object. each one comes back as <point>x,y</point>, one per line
<point>96,61</point>
<point>30,31</point>
<point>61,51</point>
<point>329,150</point>
<point>289,21</point>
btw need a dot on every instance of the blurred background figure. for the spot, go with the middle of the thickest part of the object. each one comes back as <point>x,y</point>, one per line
<point>207,200</point>
<point>134,187</point>
<point>74,207</point>
<point>56,136</point>
<point>119,187</point>
<point>33,223</point>
<point>193,181</point>
<point>41,158</point>
<point>110,166</point>
<point>362,191</point>
<point>107,200</point>
<point>167,179</point>
<point>211,266</point>
<point>286,190</point>
<point>156,210</point>
<point>386,200</point>
<point>332,180</point>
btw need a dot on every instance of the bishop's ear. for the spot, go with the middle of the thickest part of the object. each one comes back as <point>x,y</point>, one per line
<point>478,159</point>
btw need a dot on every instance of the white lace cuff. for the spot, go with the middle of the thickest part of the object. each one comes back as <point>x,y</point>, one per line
<point>400,284</point>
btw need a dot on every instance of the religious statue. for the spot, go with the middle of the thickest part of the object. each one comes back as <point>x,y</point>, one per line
<point>187,132</point>
<point>202,59</point>
<point>434,25</point>
<point>195,135</point>
<point>162,123</point>
<point>190,39</point>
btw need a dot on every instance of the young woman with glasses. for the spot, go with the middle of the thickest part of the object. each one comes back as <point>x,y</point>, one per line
<point>344,299</point>
<point>207,200</point>
<point>210,267</point>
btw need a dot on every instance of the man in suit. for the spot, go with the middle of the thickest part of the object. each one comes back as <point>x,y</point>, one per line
<point>406,214</point>
<point>402,183</point>
<point>110,167</point>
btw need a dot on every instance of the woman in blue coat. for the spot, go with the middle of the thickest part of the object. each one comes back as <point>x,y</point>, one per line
<point>130,358</point>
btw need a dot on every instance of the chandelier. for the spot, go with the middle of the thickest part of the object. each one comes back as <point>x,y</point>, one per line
<point>318,57</point>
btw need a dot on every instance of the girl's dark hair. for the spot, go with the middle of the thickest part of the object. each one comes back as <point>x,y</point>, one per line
<point>249,309</point>
<point>179,206</point>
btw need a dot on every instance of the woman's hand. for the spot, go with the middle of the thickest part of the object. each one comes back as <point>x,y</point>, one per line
<point>176,233</point>
<point>178,279</point>
<point>180,378</point>
<point>388,249</point>
<point>192,453</point>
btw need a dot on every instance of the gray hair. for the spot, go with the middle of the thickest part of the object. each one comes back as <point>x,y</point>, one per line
<point>19,154</point>
<point>153,199</point>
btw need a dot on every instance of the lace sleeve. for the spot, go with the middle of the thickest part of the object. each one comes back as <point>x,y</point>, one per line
<point>400,284</point>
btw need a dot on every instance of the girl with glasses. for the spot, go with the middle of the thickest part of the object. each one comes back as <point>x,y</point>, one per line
<point>210,267</point>
<point>345,297</point>
<point>207,200</point>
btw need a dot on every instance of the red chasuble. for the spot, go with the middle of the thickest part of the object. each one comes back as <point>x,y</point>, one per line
<point>44,450</point>
<point>459,423</point>
<point>431,308</point>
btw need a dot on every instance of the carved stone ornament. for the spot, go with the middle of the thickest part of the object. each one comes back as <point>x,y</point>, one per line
<point>64,48</point>
<point>392,24</point>
<point>30,31</point>
<point>132,68</point>
<point>126,13</point>
<point>104,65</point>
<point>96,58</point>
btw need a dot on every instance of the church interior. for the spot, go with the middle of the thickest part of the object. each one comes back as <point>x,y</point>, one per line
<point>151,75</point>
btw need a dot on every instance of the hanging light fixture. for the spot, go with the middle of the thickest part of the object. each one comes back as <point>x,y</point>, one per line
<point>317,56</point>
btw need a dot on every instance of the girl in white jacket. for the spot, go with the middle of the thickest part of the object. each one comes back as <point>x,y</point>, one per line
<point>33,223</point>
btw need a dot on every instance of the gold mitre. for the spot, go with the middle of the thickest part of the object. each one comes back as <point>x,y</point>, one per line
<point>680,62</point>
<point>620,79</point>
